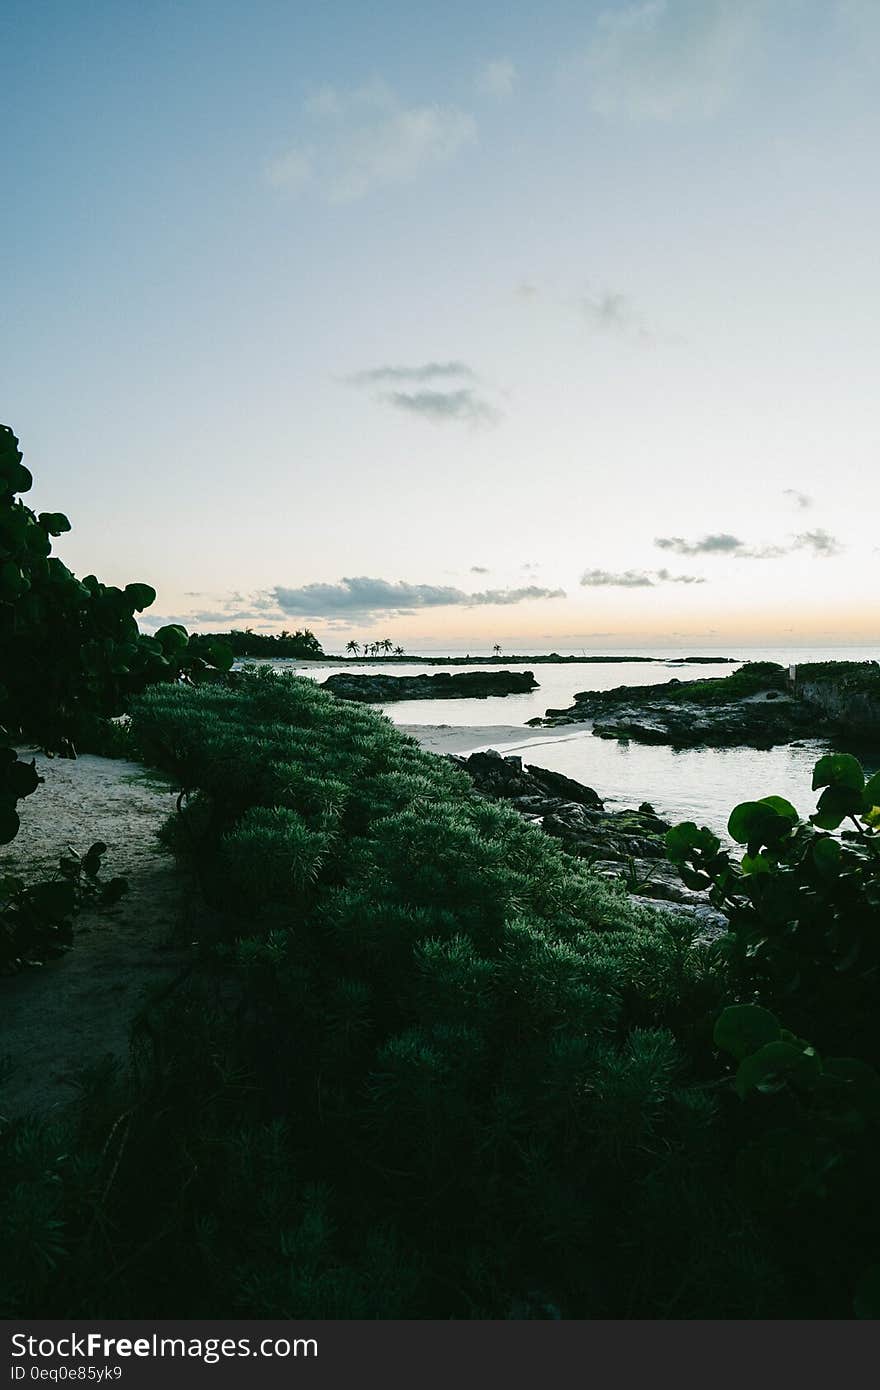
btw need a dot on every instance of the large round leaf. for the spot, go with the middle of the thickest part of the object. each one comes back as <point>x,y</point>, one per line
<point>774,1065</point>
<point>782,807</point>
<point>838,770</point>
<point>835,804</point>
<point>680,839</point>
<point>22,779</point>
<point>758,823</point>
<point>172,638</point>
<point>9,823</point>
<point>826,855</point>
<point>743,1028</point>
<point>55,523</point>
<point>140,595</point>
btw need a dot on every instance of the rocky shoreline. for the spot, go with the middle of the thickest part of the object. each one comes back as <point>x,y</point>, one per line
<point>847,693</point>
<point>625,846</point>
<point>753,707</point>
<point>467,685</point>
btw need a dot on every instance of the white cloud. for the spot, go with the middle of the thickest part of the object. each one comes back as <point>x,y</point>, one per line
<point>365,597</point>
<point>439,397</point>
<point>659,59</point>
<point>819,541</point>
<point>425,371</point>
<point>497,79</point>
<point>365,139</point>
<point>464,405</point>
<point>634,579</point>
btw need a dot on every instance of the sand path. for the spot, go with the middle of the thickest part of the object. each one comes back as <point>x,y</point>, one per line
<point>72,1013</point>
<point>75,1011</point>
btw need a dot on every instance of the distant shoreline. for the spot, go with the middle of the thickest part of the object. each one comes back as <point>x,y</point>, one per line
<point>551,658</point>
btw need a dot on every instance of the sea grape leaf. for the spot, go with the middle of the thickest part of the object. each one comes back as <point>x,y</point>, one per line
<point>838,770</point>
<point>744,1028</point>
<point>756,864</point>
<point>9,823</point>
<point>172,638</point>
<point>775,1064</point>
<point>686,836</point>
<point>781,807</point>
<point>757,822</point>
<point>22,779</point>
<point>835,804</point>
<point>55,523</point>
<point>826,855</point>
<point>140,595</point>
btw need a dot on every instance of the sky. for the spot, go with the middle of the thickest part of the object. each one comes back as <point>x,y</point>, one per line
<point>458,324</point>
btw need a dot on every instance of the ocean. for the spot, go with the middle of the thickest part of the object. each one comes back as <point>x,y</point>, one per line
<point>692,784</point>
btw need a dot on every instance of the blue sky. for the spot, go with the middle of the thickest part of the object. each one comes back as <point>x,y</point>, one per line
<point>435,320</point>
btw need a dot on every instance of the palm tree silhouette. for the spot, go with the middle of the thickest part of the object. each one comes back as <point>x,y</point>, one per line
<point>353,647</point>
<point>496,650</point>
<point>398,651</point>
<point>387,645</point>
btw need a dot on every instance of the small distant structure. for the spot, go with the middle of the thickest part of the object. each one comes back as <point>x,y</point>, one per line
<point>792,676</point>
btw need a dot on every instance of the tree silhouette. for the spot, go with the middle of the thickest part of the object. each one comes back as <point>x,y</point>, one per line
<point>353,647</point>
<point>496,650</point>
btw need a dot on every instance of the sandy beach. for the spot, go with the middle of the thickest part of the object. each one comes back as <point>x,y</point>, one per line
<point>452,738</point>
<point>76,1011</point>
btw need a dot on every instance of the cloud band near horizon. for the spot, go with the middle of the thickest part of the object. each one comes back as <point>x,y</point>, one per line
<point>364,597</point>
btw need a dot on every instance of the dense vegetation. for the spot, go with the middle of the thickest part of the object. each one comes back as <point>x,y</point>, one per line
<point>803,903</point>
<point>850,677</point>
<point>303,643</point>
<point>750,679</point>
<point>426,1064</point>
<point>71,658</point>
<point>430,1067</point>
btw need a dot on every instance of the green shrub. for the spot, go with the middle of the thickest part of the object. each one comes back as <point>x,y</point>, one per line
<point>71,658</point>
<point>803,903</point>
<point>469,1038</point>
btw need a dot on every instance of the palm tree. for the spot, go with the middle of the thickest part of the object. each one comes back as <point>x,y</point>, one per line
<point>496,650</point>
<point>353,647</point>
<point>398,651</point>
<point>387,645</point>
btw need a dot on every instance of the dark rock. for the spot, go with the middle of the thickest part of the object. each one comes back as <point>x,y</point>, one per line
<point>626,847</point>
<point>558,785</point>
<point>505,777</point>
<point>753,707</point>
<point>470,685</point>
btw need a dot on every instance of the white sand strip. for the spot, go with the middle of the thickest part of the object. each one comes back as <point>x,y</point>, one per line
<point>452,738</point>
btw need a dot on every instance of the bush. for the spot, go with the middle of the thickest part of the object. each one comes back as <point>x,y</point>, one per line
<point>803,903</point>
<point>71,658</point>
<point>425,1048</point>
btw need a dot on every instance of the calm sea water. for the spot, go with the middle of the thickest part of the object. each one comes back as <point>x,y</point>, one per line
<point>694,784</point>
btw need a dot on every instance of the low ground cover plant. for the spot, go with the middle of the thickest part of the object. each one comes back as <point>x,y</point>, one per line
<point>429,1066</point>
